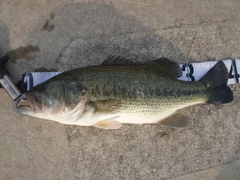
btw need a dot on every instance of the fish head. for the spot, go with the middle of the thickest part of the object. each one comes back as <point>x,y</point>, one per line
<point>59,99</point>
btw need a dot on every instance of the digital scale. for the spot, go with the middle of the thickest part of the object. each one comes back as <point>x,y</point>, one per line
<point>190,72</point>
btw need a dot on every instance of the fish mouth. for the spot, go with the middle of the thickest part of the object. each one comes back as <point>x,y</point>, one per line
<point>33,103</point>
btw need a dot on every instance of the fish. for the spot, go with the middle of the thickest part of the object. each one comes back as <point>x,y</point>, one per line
<point>122,91</point>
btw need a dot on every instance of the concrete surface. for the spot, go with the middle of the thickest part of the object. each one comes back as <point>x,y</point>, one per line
<point>63,34</point>
<point>229,172</point>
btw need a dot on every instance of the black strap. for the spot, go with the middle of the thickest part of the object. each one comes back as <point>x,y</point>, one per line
<point>235,70</point>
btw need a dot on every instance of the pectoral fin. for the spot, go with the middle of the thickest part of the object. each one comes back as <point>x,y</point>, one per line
<point>108,124</point>
<point>177,120</point>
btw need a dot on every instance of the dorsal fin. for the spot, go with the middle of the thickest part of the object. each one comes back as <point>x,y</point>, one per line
<point>166,67</point>
<point>113,60</point>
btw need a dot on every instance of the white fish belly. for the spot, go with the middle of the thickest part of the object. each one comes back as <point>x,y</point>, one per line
<point>153,116</point>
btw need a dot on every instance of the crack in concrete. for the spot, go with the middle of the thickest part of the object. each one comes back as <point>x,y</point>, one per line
<point>202,24</point>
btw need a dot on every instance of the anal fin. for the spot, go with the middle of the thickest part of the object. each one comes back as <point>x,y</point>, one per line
<point>177,120</point>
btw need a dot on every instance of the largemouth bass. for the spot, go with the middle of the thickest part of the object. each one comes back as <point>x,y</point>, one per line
<point>120,91</point>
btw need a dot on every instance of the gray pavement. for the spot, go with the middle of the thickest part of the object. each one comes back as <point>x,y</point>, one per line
<point>63,34</point>
<point>227,171</point>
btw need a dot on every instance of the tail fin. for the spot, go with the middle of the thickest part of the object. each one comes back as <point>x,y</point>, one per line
<point>216,81</point>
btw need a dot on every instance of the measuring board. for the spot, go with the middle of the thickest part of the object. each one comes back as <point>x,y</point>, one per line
<point>190,72</point>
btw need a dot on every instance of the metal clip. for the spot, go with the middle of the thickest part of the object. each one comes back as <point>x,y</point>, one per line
<point>9,86</point>
<point>15,104</point>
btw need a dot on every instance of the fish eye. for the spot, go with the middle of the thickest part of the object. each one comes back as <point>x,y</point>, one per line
<point>41,88</point>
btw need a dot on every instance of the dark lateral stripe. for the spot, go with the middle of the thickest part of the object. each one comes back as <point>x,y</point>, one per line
<point>177,92</point>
